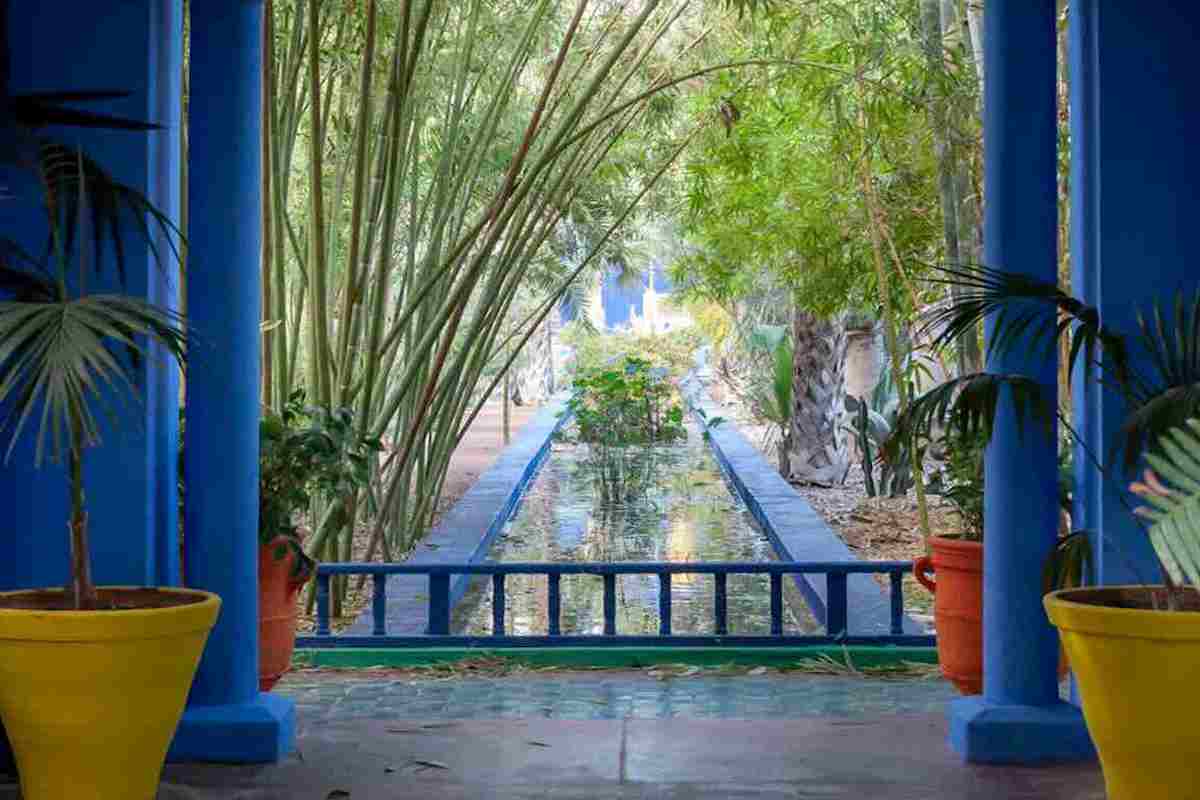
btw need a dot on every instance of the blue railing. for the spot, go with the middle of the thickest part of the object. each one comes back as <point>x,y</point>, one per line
<point>836,612</point>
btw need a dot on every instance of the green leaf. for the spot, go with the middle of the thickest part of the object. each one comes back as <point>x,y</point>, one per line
<point>1175,505</point>
<point>57,362</point>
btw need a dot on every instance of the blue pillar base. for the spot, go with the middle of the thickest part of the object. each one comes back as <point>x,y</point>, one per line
<point>261,731</point>
<point>989,733</point>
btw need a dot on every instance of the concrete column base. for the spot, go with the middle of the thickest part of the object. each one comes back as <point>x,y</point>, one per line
<point>261,731</point>
<point>989,733</point>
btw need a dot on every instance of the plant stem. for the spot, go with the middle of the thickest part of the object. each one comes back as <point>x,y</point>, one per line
<point>890,327</point>
<point>81,589</point>
<point>506,407</point>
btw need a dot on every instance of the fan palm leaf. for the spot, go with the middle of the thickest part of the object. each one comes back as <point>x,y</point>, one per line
<point>59,362</point>
<point>1172,491</point>
<point>1026,313</point>
<point>967,404</point>
<point>75,183</point>
<point>1161,391</point>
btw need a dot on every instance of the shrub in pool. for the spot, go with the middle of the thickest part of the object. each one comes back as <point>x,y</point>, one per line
<point>620,412</point>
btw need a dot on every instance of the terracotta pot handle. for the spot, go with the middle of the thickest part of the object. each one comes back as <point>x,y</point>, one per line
<point>921,569</point>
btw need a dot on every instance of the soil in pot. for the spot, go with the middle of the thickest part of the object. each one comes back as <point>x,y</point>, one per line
<point>109,599</point>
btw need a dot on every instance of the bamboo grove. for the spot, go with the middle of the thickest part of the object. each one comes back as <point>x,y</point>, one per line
<point>423,159</point>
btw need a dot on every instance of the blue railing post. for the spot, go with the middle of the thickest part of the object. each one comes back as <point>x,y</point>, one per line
<point>776,604</point>
<point>498,603</point>
<point>554,603</point>
<point>322,605</point>
<point>439,604</point>
<point>610,604</point>
<point>897,589</point>
<point>835,604</point>
<point>379,604</point>
<point>720,604</point>
<point>664,604</point>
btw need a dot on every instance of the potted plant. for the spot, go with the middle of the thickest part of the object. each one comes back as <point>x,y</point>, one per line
<point>93,680</point>
<point>958,563</point>
<point>1134,649</point>
<point>302,451</point>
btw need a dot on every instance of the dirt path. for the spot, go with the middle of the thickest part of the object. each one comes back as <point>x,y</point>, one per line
<point>479,449</point>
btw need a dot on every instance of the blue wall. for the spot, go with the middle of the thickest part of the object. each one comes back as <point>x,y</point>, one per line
<point>621,302</point>
<point>131,479</point>
<point>1138,187</point>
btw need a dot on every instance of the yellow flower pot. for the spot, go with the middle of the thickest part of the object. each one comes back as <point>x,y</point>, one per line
<point>91,699</point>
<point>1137,670</point>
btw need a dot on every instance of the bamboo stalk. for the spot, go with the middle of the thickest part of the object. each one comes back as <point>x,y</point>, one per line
<point>890,327</point>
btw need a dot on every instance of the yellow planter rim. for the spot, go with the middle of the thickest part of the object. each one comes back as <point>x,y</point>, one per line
<point>117,625</point>
<point>1068,614</point>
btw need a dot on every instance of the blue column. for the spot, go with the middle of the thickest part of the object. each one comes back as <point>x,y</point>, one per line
<point>1019,718</point>
<point>1085,275</point>
<point>227,718</point>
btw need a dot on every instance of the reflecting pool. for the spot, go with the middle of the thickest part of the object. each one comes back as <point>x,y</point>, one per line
<point>668,502</point>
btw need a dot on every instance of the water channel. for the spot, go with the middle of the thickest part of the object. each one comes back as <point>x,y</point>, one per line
<point>676,506</point>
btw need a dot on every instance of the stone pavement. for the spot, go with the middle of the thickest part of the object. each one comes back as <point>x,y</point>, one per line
<point>620,736</point>
<point>323,697</point>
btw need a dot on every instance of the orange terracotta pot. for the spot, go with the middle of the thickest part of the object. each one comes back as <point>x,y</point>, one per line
<point>277,590</point>
<point>957,608</point>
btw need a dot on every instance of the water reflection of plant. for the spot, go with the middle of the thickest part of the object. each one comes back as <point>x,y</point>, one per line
<point>620,412</point>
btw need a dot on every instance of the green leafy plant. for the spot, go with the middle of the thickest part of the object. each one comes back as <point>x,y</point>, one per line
<point>629,403</point>
<point>964,482</point>
<point>620,413</point>
<point>774,401</point>
<point>305,451</point>
<point>708,422</point>
<point>675,350</point>
<point>871,426</point>
<point>862,424</point>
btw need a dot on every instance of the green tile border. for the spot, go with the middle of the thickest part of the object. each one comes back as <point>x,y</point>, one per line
<point>614,657</point>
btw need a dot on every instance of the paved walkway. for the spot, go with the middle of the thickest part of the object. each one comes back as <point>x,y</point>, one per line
<point>326,697</point>
<point>892,758</point>
<point>620,736</point>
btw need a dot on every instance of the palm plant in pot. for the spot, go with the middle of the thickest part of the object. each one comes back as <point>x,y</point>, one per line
<point>1135,650</point>
<point>93,680</point>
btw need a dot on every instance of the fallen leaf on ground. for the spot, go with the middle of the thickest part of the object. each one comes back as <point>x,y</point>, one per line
<point>429,764</point>
<point>538,744</point>
<point>337,794</point>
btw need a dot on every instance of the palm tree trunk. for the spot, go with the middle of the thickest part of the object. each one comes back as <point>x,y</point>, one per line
<point>81,591</point>
<point>815,445</point>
